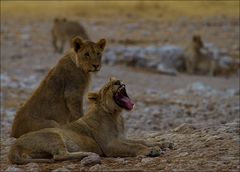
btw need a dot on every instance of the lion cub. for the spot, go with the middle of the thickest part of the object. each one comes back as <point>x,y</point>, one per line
<point>63,31</point>
<point>59,98</point>
<point>100,130</point>
<point>196,61</point>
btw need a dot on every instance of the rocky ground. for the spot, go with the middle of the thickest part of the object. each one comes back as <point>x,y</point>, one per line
<point>199,115</point>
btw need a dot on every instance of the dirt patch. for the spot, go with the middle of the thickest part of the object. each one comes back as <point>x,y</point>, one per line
<point>199,115</point>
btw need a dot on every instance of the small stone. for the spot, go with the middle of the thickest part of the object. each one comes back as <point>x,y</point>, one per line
<point>33,167</point>
<point>96,168</point>
<point>62,169</point>
<point>119,160</point>
<point>13,169</point>
<point>199,86</point>
<point>146,160</point>
<point>91,160</point>
<point>71,166</point>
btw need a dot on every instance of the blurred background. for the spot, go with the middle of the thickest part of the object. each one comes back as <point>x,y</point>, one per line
<point>148,47</point>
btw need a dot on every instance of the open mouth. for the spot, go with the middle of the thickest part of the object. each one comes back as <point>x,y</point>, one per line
<point>122,99</point>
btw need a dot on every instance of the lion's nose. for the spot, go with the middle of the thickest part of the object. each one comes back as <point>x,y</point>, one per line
<point>96,66</point>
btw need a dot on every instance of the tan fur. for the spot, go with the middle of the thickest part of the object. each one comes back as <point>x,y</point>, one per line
<point>59,98</point>
<point>100,131</point>
<point>196,61</point>
<point>63,31</point>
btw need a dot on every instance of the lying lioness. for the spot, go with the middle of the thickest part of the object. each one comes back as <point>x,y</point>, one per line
<point>100,131</point>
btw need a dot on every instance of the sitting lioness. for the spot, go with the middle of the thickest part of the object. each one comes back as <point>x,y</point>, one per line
<point>64,30</point>
<point>196,61</point>
<point>100,130</point>
<point>59,98</point>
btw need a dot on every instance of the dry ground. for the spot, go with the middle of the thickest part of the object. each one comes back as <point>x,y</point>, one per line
<point>198,114</point>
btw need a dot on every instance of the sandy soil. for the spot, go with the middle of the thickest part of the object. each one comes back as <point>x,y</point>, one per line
<point>198,114</point>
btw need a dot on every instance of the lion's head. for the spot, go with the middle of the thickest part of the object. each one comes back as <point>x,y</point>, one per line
<point>197,41</point>
<point>112,96</point>
<point>88,54</point>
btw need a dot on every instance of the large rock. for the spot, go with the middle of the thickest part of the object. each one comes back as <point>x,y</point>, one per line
<point>167,59</point>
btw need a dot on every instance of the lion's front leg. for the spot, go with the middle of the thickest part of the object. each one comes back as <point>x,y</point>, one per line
<point>72,155</point>
<point>190,66</point>
<point>74,104</point>
<point>54,42</point>
<point>124,148</point>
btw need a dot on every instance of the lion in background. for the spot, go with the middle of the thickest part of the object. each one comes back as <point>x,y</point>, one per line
<point>64,30</point>
<point>100,131</point>
<point>59,98</point>
<point>202,58</point>
<point>196,61</point>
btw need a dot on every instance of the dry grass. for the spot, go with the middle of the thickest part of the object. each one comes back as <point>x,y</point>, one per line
<point>92,9</point>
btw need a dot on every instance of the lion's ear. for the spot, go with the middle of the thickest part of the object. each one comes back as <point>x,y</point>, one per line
<point>196,38</point>
<point>112,78</point>
<point>93,96</point>
<point>102,43</point>
<point>77,43</point>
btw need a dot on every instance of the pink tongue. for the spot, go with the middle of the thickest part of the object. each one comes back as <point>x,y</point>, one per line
<point>127,103</point>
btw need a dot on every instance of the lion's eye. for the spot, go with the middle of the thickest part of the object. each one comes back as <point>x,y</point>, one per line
<point>98,54</point>
<point>86,54</point>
